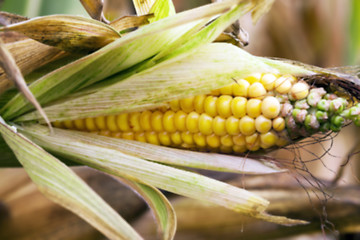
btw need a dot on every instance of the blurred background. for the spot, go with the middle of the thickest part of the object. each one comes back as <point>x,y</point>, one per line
<point>324,33</point>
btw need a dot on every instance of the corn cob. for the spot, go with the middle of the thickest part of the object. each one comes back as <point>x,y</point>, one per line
<point>258,112</point>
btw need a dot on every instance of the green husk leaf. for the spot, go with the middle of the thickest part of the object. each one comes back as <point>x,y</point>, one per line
<point>162,9</point>
<point>262,7</point>
<point>210,67</point>
<point>69,33</point>
<point>110,160</point>
<point>117,56</point>
<point>161,207</point>
<point>57,182</point>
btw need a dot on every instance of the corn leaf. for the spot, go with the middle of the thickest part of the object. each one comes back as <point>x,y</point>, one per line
<point>94,8</point>
<point>160,8</point>
<point>10,18</point>
<point>62,186</point>
<point>69,33</point>
<point>110,160</point>
<point>160,206</point>
<point>208,68</point>
<point>127,22</point>
<point>117,56</point>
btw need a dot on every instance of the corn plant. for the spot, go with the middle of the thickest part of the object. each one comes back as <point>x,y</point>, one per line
<point>142,95</point>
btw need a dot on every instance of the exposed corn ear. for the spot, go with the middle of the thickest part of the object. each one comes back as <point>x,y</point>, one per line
<point>258,112</point>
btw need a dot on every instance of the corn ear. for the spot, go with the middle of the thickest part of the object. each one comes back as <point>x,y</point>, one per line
<point>69,33</point>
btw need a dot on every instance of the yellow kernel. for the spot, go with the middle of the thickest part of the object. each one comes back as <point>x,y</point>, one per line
<point>199,139</point>
<point>168,121</point>
<point>134,121</point>
<point>223,106</point>
<point>116,134</point>
<point>210,106</point>
<point>128,135</point>
<point>199,103</point>
<point>140,136</point>
<point>257,90</point>
<point>111,123</point>
<point>299,90</point>
<point>101,123</point>
<point>278,124</point>
<point>232,125</point>
<point>269,139</point>
<point>255,77</point>
<point>247,125</point>
<point>239,148</point>
<point>163,108</point>
<point>105,133</point>
<point>226,149</point>
<point>238,107</point>
<point>156,121</point>
<point>241,88</point>
<point>282,142</point>
<point>145,121</point>
<point>268,81</point>
<point>176,138</point>
<point>164,138</point>
<point>254,146</point>
<point>69,124</point>
<point>283,85</point>
<point>192,122</point>
<point>187,104</point>
<point>175,105</point>
<point>239,140</point>
<point>151,137</point>
<point>213,140</point>
<point>227,90</point>
<point>58,124</point>
<point>187,137</point>
<point>226,141</point>
<point>263,124</point>
<point>205,124</point>
<point>90,124</point>
<point>270,107</point>
<point>218,126</point>
<point>122,122</point>
<point>180,121</point>
<point>253,107</point>
<point>251,139</point>
<point>79,124</point>
<point>215,92</point>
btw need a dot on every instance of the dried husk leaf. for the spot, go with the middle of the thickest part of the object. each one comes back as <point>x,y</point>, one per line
<point>94,8</point>
<point>127,22</point>
<point>29,55</point>
<point>10,18</point>
<point>115,57</point>
<point>57,182</point>
<point>69,33</point>
<point>161,207</point>
<point>143,7</point>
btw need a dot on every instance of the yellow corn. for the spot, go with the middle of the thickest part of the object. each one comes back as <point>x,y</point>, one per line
<point>243,116</point>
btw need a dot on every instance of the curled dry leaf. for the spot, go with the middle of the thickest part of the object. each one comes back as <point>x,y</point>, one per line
<point>70,33</point>
<point>127,22</point>
<point>95,9</point>
<point>10,18</point>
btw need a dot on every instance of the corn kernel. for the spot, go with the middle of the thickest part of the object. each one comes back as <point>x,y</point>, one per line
<point>192,122</point>
<point>205,124</point>
<point>176,138</point>
<point>128,135</point>
<point>156,121</point>
<point>140,136</point>
<point>116,134</point>
<point>210,106</point>
<point>175,105</point>
<point>227,90</point>
<point>239,140</point>
<point>200,139</point>
<point>215,92</point>
<point>101,122</point>
<point>255,77</point>
<point>218,126</point>
<point>225,149</point>
<point>278,124</point>
<point>226,141</point>
<point>283,85</point>
<point>253,108</point>
<point>223,106</point>
<point>263,124</point>
<point>168,121</point>
<point>151,137</point>
<point>180,121</point>
<point>232,125</point>
<point>241,88</point>
<point>90,124</point>
<point>187,104</point>
<point>134,121</point>
<point>251,139</point>
<point>299,90</point>
<point>111,123</point>
<point>213,140</point>
<point>268,80</point>
<point>106,133</point>
<point>79,124</point>
<point>164,138</point>
<point>257,90</point>
<point>239,148</point>
<point>187,137</point>
<point>247,125</point>
<point>269,139</point>
<point>121,122</point>
<point>199,103</point>
<point>238,107</point>
<point>270,107</point>
<point>145,122</point>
